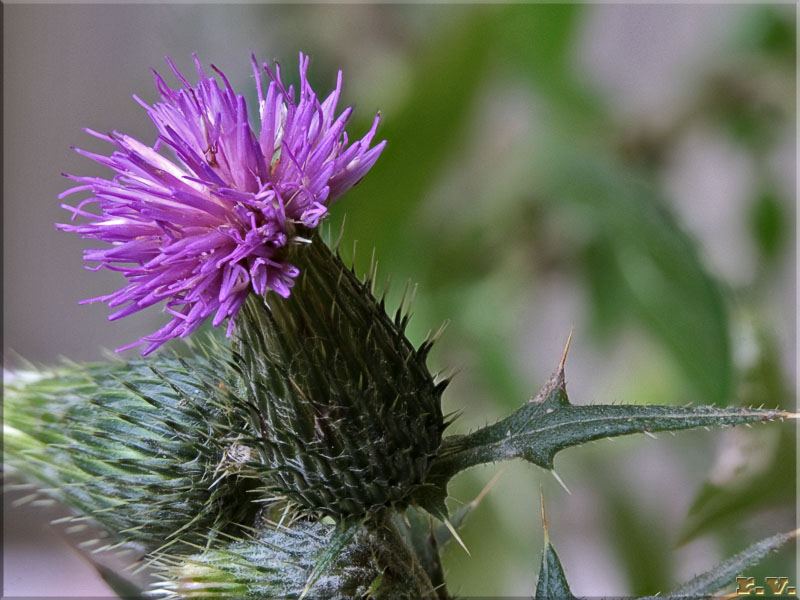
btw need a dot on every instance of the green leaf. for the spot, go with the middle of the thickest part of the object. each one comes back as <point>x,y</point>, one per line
<point>548,423</point>
<point>539,40</point>
<point>552,583</point>
<point>725,573</point>
<point>419,534</point>
<point>341,537</point>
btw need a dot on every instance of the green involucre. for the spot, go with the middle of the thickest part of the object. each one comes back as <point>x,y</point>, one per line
<point>154,451</point>
<point>348,413</point>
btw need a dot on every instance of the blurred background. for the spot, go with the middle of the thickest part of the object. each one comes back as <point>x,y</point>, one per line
<point>628,171</point>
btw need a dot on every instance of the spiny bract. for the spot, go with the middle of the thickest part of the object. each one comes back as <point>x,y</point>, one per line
<point>349,415</point>
<point>143,448</point>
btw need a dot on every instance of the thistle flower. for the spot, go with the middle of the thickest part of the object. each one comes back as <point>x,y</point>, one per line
<point>202,228</point>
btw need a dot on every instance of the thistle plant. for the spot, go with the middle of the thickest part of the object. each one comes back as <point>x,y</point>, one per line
<point>304,453</point>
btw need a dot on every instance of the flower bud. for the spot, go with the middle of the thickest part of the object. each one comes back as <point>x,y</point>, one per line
<point>348,413</point>
<point>152,452</point>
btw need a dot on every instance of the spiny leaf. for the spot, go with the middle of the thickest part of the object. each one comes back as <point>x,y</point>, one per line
<point>310,558</point>
<point>552,583</point>
<point>549,423</point>
<point>723,575</point>
<point>418,532</point>
<point>341,536</point>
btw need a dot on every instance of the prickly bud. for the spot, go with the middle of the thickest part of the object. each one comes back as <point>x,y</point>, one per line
<point>307,559</point>
<point>349,415</point>
<point>146,449</point>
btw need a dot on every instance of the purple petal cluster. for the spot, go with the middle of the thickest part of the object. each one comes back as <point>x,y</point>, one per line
<point>200,226</point>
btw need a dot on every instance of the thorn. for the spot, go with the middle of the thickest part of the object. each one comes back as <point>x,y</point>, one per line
<point>487,487</point>
<point>439,332</point>
<point>558,479</point>
<point>338,241</point>
<point>353,258</point>
<point>566,349</point>
<point>544,516</point>
<point>24,500</point>
<point>648,434</point>
<point>43,502</point>
<point>456,536</point>
<point>75,528</point>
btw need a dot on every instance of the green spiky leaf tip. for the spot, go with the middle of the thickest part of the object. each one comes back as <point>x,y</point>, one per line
<point>348,414</point>
<point>552,582</point>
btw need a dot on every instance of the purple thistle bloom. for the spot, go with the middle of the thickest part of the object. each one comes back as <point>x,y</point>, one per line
<point>201,229</point>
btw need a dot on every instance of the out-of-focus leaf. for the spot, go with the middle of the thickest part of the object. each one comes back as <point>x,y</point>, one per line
<point>664,282</point>
<point>768,224</point>
<point>770,29</point>
<point>768,475</point>
<point>724,574</point>
<point>539,40</point>
<point>716,506</point>
<point>447,75</point>
<point>605,286</point>
<point>641,543</point>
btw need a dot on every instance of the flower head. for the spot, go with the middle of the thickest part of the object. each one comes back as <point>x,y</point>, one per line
<point>201,227</point>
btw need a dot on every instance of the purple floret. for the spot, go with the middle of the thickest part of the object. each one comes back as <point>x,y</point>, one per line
<point>202,228</point>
